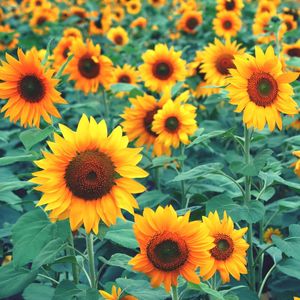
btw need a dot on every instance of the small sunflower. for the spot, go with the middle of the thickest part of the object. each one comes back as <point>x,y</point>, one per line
<point>157,3</point>
<point>175,122</point>
<point>297,163</point>
<point>88,177</point>
<point>72,32</point>
<point>138,122</point>
<point>218,59</point>
<point>227,24</point>
<point>134,7</point>
<point>292,50</point>
<point>289,22</point>
<point>266,6</point>
<point>29,88</point>
<point>140,22</point>
<point>116,294</point>
<point>118,14</point>
<point>80,13</point>
<point>118,36</point>
<point>172,248</point>
<point>162,67</point>
<point>61,51</point>
<point>268,234</point>
<point>88,67</point>
<point>228,257</point>
<point>260,89</point>
<point>189,21</point>
<point>234,6</point>
<point>101,22</point>
<point>8,38</point>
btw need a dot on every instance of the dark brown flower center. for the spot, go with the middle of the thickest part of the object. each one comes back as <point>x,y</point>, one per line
<point>133,6</point>
<point>124,78</point>
<point>289,25</point>
<point>230,4</point>
<point>98,22</point>
<point>88,67</point>
<point>262,89</point>
<point>224,62</point>
<point>41,20</point>
<point>294,52</point>
<point>90,175</point>
<point>162,70</point>
<point>118,39</point>
<point>148,120</point>
<point>224,247</point>
<point>227,24</point>
<point>167,251</point>
<point>65,52</point>
<point>172,124</point>
<point>192,23</point>
<point>31,88</point>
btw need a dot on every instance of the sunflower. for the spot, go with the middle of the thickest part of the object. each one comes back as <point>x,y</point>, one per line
<point>228,255</point>
<point>118,36</point>
<point>189,21</point>
<point>157,3</point>
<point>101,22</point>
<point>72,32</point>
<point>118,14</point>
<point>175,122</point>
<point>80,13</point>
<point>138,121</point>
<point>289,22</point>
<point>35,4</point>
<point>162,67</point>
<point>8,38</point>
<point>218,59</point>
<point>29,88</point>
<point>189,5</point>
<point>61,51</point>
<point>172,248</point>
<point>88,67</point>
<point>227,24</point>
<point>297,163</point>
<point>116,294</point>
<point>266,6</point>
<point>134,7</point>
<point>41,17</point>
<point>88,175</point>
<point>268,234</point>
<point>140,22</point>
<point>292,50</point>
<point>234,6</point>
<point>260,88</point>
<point>194,70</point>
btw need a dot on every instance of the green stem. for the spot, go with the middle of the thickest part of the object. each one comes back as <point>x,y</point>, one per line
<point>71,249</point>
<point>247,199</point>
<point>106,109</point>
<point>156,176</point>
<point>90,251</point>
<point>265,280</point>
<point>182,183</point>
<point>174,293</point>
<point>261,258</point>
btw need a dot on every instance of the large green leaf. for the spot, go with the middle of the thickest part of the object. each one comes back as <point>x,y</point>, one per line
<point>290,267</point>
<point>36,291</point>
<point>13,281</point>
<point>204,288</point>
<point>151,198</point>
<point>118,260</point>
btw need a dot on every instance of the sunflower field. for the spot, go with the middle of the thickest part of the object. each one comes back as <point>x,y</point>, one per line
<point>150,149</point>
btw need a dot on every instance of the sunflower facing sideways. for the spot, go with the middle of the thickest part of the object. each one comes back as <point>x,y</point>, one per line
<point>260,89</point>
<point>138,121</point>
<point>290,51</point>
<point>88,177</point>
<point>8,38</point>
<point>88,67</point>
<point>172,248</point>
<point>29,89</point>
<point>61,51</point>
<point>162,68</point>
<point>175,122</point>
<point>268,234</point>
<point>189,21</point>
<point>118,36</point>
<point>116,294</point>
<point>227,24</point>
<point>218,59</point>
<point>228,257</point>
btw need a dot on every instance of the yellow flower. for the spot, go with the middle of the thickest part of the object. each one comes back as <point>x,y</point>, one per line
<point>118,36</point>
<point>268,234</point>
<point>297,163</point>
<point>134,7</point>
<point>227,24</point>
<point>234,6</point>
<point>189,21</point>
<point>116,294</point>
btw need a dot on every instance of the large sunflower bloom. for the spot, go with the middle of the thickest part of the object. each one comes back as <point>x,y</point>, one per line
<point>228,255</point>
<point>175,122</point>
<point>29,88</point>
<point>260,89</point>
<point>162,67</point>
<point>116,294</point>
<point>218,59</point>
<point>88,175</point>
<point>170,248</point>
<point>138,122</point>
<point>88,67</point>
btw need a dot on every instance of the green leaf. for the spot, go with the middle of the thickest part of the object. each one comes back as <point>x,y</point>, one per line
<point>204,137</point>
<point>203,287</point>
<point>32,232</point>
<point>288,204</point>
<point>151,198</point>
<point>141,289</point>
<point>176,88</point>
<point>8,160</point>
<point>290,267</point>
<point>13,281</point>
<point>122,234</point>
<point>123,87</point>
<point>118,260</point>
<point>36,291</point>
<point>31,137</point>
